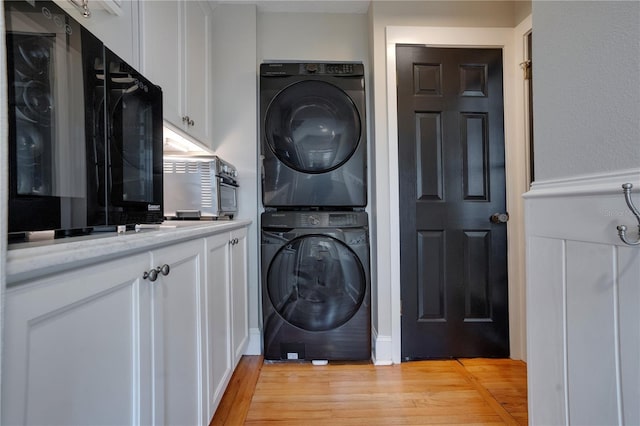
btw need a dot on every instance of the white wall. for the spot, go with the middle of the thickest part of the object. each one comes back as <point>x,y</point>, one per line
<point>235,126</point>
<point>586,57</point>
<point>583,287</point>
<point>312,37</point>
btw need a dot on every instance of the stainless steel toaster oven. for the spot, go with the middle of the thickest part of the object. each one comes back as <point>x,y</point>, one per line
<point>199,187</point>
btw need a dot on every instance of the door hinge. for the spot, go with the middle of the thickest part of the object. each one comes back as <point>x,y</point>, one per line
<point>526,68</point>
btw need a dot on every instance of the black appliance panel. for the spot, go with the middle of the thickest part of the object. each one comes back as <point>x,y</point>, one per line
<point>316,286</point>
<point>313,135</point>
<point>133,150</point>
<point>312,127</point>
<point>85,129</point>
<point>316,283</point>
<point>47,167</point>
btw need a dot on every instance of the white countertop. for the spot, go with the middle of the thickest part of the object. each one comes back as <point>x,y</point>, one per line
<point>37,258</point>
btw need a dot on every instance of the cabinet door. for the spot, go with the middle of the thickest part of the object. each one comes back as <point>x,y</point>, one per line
<point>177,334</point>
<point>218,334</point>
<point>161,57</point>
<point>114,23</point>
<point>239,294</point>
<point>76,347</point>
<point>197,81</point>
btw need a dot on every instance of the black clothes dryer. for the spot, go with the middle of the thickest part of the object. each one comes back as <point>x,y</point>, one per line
<point>313,135</point>
<point>316,286</point>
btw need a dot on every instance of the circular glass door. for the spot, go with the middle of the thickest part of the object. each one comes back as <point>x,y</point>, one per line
<point>312,126</point>
<point>316,283</point>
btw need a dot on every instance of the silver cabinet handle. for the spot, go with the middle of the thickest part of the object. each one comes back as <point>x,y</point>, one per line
<point>84,5</point>
<point>233,241</point>
<point>152,274</point>
<point>188,121</point>
<point>164,269</point>
<point>499,217</point>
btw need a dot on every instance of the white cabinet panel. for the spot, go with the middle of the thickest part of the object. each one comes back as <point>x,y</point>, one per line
<point>178,344</point>
<point>118,31</point>
<point>176,55</point>
<point>219,362</point>
<point>162,52</point>
<point>67,333</point>
<point>197,81</point>
<point>239,294</point>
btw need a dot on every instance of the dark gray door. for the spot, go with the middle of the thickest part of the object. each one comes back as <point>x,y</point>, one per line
<point>452,182</point>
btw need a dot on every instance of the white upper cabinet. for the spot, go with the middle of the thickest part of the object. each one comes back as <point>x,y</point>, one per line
<point>197,85</point>
<point>175,54</point>
<point>161,51</point>
<point>114,22</point>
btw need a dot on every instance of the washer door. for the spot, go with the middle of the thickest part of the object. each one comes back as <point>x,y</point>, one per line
<point>312,126</point>
<point>316,283</point>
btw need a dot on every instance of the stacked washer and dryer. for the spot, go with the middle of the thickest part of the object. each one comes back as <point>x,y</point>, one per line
<point>315,234</point>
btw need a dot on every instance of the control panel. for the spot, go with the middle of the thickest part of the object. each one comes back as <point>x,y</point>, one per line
<point>225,170</point>
<point>311,68</point>
<point>335,69</point>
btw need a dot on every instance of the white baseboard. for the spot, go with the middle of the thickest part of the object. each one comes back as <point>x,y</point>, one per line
<point>382,353</point>
<point>255,342</point>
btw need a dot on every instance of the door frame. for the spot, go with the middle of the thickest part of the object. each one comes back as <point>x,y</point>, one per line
<point>511,42</point>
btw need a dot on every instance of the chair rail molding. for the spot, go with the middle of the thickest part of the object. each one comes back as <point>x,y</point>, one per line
<point>592,184</point>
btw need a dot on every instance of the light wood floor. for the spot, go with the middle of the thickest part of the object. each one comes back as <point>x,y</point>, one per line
<point>450,392</point>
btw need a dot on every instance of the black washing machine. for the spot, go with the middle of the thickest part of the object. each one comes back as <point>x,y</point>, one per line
<point>313,135</point>
<point>316,286</point>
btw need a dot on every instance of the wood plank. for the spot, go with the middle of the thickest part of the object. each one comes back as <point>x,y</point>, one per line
<point>506,380</point>
<point>235,402</point>
<point>474,391</point>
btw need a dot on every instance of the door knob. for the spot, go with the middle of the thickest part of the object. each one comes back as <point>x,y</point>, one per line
<point>499,217</point>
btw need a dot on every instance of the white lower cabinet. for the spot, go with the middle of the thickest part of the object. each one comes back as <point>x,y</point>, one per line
<point>177,347</point>
<point>219,361</point>
<point>109,344</point>
<point>227,322</point>
<point>77,347</point>
<point>239,294</point>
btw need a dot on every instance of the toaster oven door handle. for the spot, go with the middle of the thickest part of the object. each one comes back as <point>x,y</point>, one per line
<point>228,182</point>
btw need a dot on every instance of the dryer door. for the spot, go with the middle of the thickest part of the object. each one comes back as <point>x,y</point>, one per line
<point>312,126</point>
<point>316,283</point>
